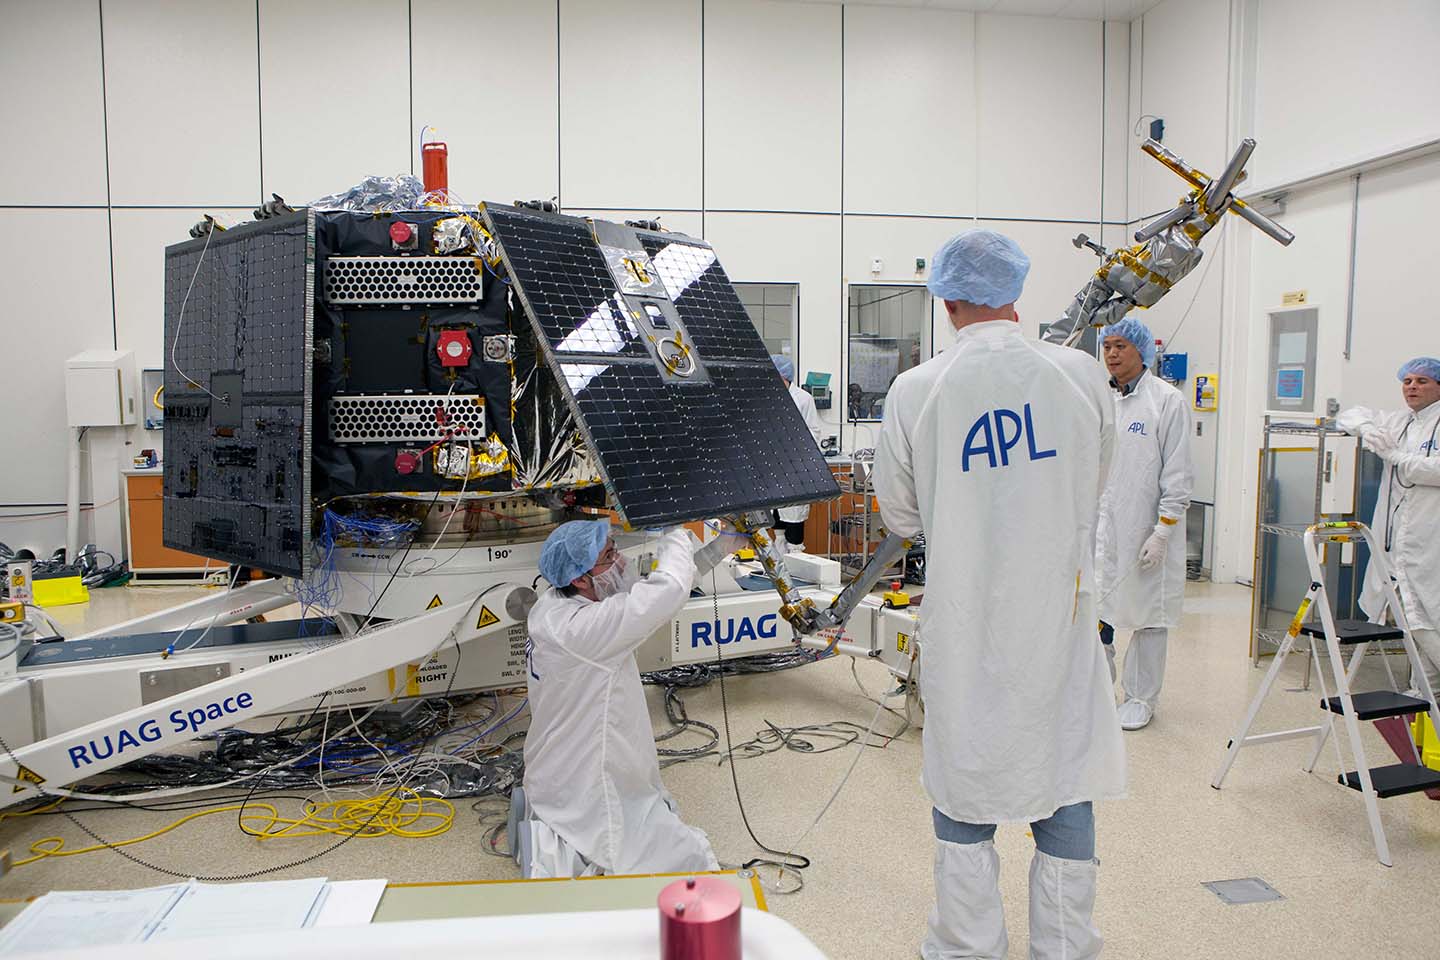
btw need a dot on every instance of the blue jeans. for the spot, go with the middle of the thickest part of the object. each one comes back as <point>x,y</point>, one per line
<point>1068,833</point>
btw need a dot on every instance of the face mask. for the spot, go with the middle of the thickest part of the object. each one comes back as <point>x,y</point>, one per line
<point>619,577</point>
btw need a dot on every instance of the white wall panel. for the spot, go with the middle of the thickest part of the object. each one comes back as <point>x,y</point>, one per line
<point>772,106</point>
<point>1337,80</point>
<point>678,221</point>
<point>1184,66</point>
<point>1395,317</point>
<point>1057,269</point>
<point>334,94</point>
<point>630,126</point>
<point>1040,91</point>
<point>55,148</point>
<point>792,248</point>
<point>1316,262</point>
<point>897,242</point>
<point>1120,147</point>
<point>61,308</point>
<point>183,102</point>
<point>909,111</point>
<point>502,128</point>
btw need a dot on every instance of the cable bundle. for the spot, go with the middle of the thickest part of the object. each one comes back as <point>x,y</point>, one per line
<point>322,589</point>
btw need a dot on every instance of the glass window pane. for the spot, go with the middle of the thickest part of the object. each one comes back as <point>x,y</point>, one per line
<point>771,307</point>
<point>889,332</point>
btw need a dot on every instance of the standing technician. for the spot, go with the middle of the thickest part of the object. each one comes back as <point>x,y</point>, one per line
<point>1140,558</point>
<point>997,450</point>
<point>1407,513</point>
<point>790,521</point>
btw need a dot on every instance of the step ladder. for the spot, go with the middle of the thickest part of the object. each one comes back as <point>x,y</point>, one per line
<point>1375,783</point>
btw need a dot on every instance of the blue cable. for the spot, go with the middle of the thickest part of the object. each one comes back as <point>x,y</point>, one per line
<point>511,716</point>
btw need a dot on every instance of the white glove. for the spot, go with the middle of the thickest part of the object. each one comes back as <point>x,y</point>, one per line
<point>1382,445</point>
<point>1155,545</point>
<point>1356,421</point>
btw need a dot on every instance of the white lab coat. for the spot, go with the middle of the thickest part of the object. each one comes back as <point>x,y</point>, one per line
<point>1020,719</point>
<point>1407,513</point>
<point>806,405</point>
<point>591,772</point>
<point>1151,478</point>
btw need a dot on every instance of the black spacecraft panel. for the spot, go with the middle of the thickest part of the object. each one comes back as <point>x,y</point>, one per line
<point>606,302</point>
<point>238,333</point>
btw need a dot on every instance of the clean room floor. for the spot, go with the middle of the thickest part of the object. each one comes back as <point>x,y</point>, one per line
<point>869,889</point>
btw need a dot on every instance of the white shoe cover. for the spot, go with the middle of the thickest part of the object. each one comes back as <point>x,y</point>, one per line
<point>1144,670</point>
<point>1062,905</point>
<point>968,919</point>
<point>1135,714</point>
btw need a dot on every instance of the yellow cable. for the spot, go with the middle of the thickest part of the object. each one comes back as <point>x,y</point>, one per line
<point>155,400</point>
<point>55,846</point>
<point>33,810</point>
<point>401,814</point>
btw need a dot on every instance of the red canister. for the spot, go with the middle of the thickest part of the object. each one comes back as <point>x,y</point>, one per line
<point>435,165</point>
<point>700,920</point>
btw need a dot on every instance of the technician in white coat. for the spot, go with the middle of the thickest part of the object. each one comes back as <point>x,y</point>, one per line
<point>997,450</point>
<point>592,777</point>
<point>1140,550</point>
<point>1407,513</point>
<point>790,521</point>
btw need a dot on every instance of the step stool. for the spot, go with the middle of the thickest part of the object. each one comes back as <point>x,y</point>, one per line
<point>1372,783</point>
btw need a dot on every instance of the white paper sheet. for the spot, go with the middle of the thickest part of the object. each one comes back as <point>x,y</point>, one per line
<point>208,910</point>
<point>88,918</point>
<point>349,903</point>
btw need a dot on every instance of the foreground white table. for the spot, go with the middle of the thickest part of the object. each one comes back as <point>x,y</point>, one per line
<point>600,935</point>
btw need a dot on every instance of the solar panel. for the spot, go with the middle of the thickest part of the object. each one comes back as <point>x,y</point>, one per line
<point>705,298</point>
<point>671,384</point>
<point>238,337</point>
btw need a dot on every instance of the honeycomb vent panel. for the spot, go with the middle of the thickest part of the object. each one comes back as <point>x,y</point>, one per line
<point>405,417</point>
<point>361,281</point>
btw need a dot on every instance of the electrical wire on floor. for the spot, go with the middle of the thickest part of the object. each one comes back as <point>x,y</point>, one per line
<point>905,688</point>
<point>255,780</point>
<point>788,861</point>
<point>375,811</point>
<point>874,721</point>
<point>411,814</point>
<point>405,816</point>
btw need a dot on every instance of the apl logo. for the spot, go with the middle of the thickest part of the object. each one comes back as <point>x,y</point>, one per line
<point>989,437</point>
<point>732,631</point>
<point>1138,426</point>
